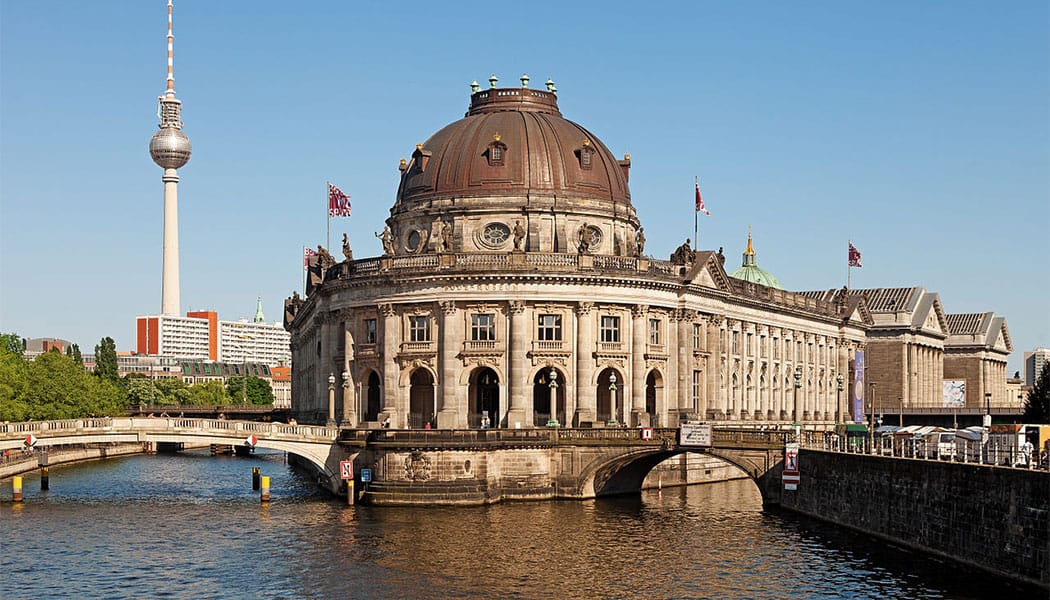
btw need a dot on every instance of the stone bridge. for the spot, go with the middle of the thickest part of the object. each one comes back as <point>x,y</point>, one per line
<point>447,466</point>
<point>485,466</point>
<point>313,444</point>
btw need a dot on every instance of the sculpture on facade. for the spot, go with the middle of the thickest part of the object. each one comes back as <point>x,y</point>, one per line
<point>388,241</point>
<point>292,304</point>
<point>324,259</point>
<point>639,241</point>
<point>347,252</point>
<point>584,236</point>
<point>683,255</point>
<point>519,235</point>
<point>445,239</point>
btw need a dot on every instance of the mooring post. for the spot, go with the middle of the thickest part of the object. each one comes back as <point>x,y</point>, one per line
<point>255,478</point>
<point>350,492</point>
<point>264,496</point>
<point>45,483</point>
<point>16,488</point>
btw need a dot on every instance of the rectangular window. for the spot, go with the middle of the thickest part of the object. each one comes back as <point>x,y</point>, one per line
<point>610,329</point>
<point>736,342</point>
<point>370,331</point>
<point>419,328</point>
<point>483,327</point>
<point>654,332</point>
<point>762,350</point>
<point>776,348</point>
<point>696,390</point>
<point>750,344</point>
<point>698,331</point>
<point>549,328</point>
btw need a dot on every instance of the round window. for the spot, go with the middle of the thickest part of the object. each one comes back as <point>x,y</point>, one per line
<point>496,233</point>
<point>414,240</point>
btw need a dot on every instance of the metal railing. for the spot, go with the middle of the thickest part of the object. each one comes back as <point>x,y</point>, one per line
<point>992,453</point>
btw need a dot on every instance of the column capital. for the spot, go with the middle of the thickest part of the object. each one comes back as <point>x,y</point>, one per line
<point>516,307</point>
<point>639,310</point>
<point>584,308</point>
<point>448,307</point>
<point>387,310</point>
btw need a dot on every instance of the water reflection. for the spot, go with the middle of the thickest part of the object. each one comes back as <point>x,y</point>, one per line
<point>191,526</point>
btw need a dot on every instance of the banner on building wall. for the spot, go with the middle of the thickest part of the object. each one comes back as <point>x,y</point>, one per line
<point>791,476</point>
<point>953,393</point>
<point>858,386</point>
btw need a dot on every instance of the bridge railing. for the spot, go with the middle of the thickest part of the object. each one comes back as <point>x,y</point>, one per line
<point>177,424</point>
<point>991,453</point>
<point>449,437</point>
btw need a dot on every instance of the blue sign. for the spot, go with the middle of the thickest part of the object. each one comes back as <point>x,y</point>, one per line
<point>366,475</point>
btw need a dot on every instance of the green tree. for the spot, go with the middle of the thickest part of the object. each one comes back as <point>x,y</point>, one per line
<point>73,351</point>
<point>1037,404</point>
<point>57,387</point>
<point>171,391</point>
<point>106,359</point>
<point>11,342</point>
<point>140,389</point>
<point>257,391</point>
<point>12,381</point>
<point>208,393</point>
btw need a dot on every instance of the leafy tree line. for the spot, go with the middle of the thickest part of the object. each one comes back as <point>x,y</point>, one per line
<point>1037,404</point>
<point>56,386</point>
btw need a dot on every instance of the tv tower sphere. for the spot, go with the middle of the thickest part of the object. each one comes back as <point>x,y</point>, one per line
<point>170,148</point>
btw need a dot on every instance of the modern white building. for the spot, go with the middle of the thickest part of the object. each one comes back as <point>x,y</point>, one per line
<point>1034,362</point>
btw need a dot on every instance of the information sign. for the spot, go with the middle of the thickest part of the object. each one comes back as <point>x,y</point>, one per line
<point>647,433</point>
<point>366,475</point>
<point>694,433</point>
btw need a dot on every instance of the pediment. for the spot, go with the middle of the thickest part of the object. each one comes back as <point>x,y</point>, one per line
<point>707,271</point>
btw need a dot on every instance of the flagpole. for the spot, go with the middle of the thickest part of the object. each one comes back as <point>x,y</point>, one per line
<point>696,219</point>
<point>849,265</point>
<point>328,215</point>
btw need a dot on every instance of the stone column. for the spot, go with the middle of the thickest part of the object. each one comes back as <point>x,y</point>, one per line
<point>348,380</point>
<point>680,369</point>
<point>715,403</point>
<point>450,414</point>
<point>586,393</point>
<point>390,392</point>
<point>638,340</point>
<point>517,347</point>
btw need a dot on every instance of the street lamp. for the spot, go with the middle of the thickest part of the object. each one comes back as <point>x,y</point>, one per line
<point>839,379</point>
<point>900,401</point>
<point>798,384</point>
<point>612,400</point>
<point>553,420</point>
<point>331,400</point>
<point>987,410</point>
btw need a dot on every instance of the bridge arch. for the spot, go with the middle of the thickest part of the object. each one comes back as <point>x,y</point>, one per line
<point>624,471</point>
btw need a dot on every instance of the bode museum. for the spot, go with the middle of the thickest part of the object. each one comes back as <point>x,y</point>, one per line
<point>515,291</point>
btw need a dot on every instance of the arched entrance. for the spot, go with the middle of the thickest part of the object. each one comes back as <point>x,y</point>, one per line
<point>654,386</point>
<point>421,399</point>
<point>610,396</point>
<point>549,384</point>
<point>373,402</point>
<point>484,398</point>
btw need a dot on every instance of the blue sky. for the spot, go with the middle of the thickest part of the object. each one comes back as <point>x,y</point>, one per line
<point>919,130</point>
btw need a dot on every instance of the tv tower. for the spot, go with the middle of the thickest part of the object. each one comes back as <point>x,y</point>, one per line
<point>170,149</point>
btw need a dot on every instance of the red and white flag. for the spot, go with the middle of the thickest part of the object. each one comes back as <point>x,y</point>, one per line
<point>700,200</point>
<point>854,256</point>
<point>307,253</point>
<point>338,202</point>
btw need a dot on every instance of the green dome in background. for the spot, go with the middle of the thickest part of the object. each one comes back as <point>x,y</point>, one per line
<point>750,271</point>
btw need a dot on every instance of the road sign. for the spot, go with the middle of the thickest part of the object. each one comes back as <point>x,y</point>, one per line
<point>30,441</point>
<point>346,469</point>
<point>694,433</point>
<point>366,475</point>
<point>647,433</point>
<point>251,440</point>
<point>791,476</point>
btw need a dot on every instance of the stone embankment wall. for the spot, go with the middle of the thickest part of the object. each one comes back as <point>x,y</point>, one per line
<point>993,518</point>
<point>31,462</point>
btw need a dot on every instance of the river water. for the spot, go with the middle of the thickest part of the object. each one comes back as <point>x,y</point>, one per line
<point>190,526</point>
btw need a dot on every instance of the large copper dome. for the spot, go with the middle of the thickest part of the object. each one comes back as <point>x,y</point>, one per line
<point>514,156</point>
